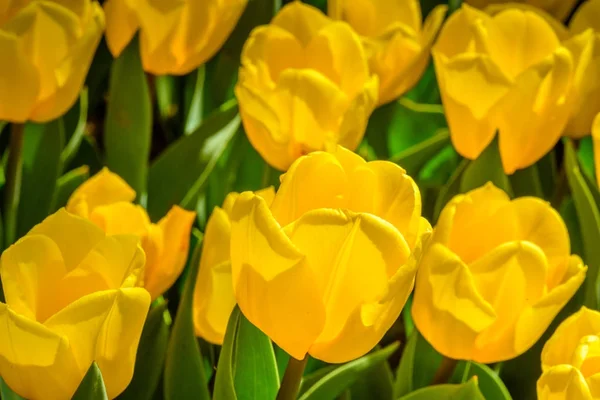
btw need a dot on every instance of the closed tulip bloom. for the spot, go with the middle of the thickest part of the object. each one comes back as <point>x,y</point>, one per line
<point>304,85</point>
<point>176,36</point>
<point>106,200</point>
<point>570,368</point>
<point>506,72</point>
<point>327,268</point>
<point>396,41</point>
<point>72,298</point>
<point>47,47</point>
<point>494,275</point>
<point>213,294</point>
<point>558,8</point>
<point>587,78</point>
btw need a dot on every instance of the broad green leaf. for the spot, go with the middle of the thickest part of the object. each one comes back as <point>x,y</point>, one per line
<point>74,141</point>
<point>404,375</point>
<point>589,219</point>
<point>450,189</point>
<point>547,171</point>
<point>569,215</point>
<point>128,125</point>
<point>6,393</point>
<point>426,362</point>
<point>486,168</point>
<point>151,354</point>
<point>426,90</point>
<point>378,128</point>
<point>310,379</point>
<point>247,366</point>
<point>87,155</point>
<point>41,168</point>
<point>585,154</point>
<point>375,383</point>
<point>180,173</point>
<point>92,386</point>
<point>98,76</point>
<point>490,384</point>
<point>438,170</point>
<point>465,391</point>
<point>184,375</point>
<point>66,185</point>
<point>415,157</point>
<point>527,182</point>
<point>195,111</point>
<point>337,381</point>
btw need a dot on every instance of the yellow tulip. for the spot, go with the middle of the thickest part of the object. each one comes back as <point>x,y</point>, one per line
<point>105,199</point>
<point>304,85</point>
<point>71,299</point>
<point>494,275</point>
<point>506,72</point>
<point>587,79</point>
<point>213,295</point>
<point>176,36</point>
<point>396,41</point>
<point>596,146</point>
<point>327,268</point>
<point>47,47</point>
<point>558,8</point>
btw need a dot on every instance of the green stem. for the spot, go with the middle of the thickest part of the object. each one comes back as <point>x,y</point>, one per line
<point>12,188</point>
<point>445,371</point>
<point>292,379</point>
<point>465,375</point>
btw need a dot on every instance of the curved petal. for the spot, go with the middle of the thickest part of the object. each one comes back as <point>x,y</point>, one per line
<point>510,278</point>
<point>596,143</point>
<point>563,382</point>
<point>536,319</point>
<point>162,272</point>
<point>447,308</point>
<point>121,25</point>
<point>301,20</point>
<point>356,116</point>
<point>121,218</point>
<point>35,362</point>
<point>462,32</point>
<point>274,287</point>
<point>539,8</point>
<point>105,327</point>
<point>102,189</point>
<point>540,97</point>
<point>586,16</point>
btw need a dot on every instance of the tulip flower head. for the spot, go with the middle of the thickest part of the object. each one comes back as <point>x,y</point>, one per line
<point>396,41</point>
<point>72,298</point>
<point>47,47</point>
<point>494,275</point>
<point>214,299</point>
<point>106,200</point>
<point>570,369</point>
<point>505,73</point>
<point>176,36</point>
<point>304,85</point>
<point>327,268</point>
<point>557,8</point>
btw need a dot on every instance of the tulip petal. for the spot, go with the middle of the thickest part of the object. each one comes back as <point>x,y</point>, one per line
<point>102,189</point>
<point>73,235</point>
<point>121,25</point>
<point>596,144</point>
<point>563,382</point>
<point>105,327</point>
<point>510,278</point>
<point>121,218</point>
<point>35,362</point>
<point>162,272</point>
<point>301,20</point>
<point>274,287</point>
<point>356,117</point>
<point>586,16</point>
<point>536,319</point>
<point>375,17</point>
<point>338,245</point>
<point>533,115</point>
<point>447,308</point>
<point>559,349</point>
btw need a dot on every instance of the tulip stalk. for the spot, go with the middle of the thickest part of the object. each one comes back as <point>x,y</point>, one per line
<point>444,371</point>
<point>12,192</point>
<point>292,379</point>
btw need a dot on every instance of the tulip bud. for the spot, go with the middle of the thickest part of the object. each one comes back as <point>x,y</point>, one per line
<point>213,294</point>
<point>558,8</point>
<point>106,199</point>
<point>506,72</point>
<point>47,48</point>
<point>570,369</point>
<point>327,268</point>
<point>176,36</point>
<point>71,299</point>
<point>494,275</point>
<point>396,41</point>
<point>304,85</point>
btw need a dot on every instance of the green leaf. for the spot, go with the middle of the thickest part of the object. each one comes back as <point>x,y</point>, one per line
<point>6,393</point>
<point>66,185</point>
<point>589,219</point>
<point>466,391</point>
<point>404,375</point>
<point>180,173</point>
<point>335,382</point>
<point>490,384</point>
<point>450,189</point>
<point>527,182</point>
<point>415,157</point>
<point>585,154</point>
<point>151,354</point>
<point>184,376</point>
<point>247,366</point>
<point>375,383</point>
<point>569,215</point>
<point>436,171</point>
<point>195,111</point>
<point>128,125</point>
<point>92,386</point>
<point>548,174</point>
<point>41,168</point>
<point>486,168</point>
<point>76,137</point>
